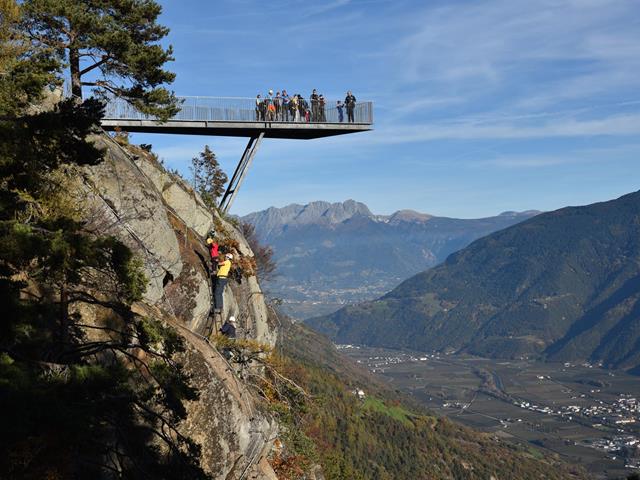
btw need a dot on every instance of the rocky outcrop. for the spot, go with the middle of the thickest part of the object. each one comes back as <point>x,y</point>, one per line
<point>129,195</point>
<point>177,194</point>
<point>122,201</point>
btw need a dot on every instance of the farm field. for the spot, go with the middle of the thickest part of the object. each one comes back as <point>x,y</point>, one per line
<point>581,413</point>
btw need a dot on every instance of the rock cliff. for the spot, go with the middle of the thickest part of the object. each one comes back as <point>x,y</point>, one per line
<point>131,196</point>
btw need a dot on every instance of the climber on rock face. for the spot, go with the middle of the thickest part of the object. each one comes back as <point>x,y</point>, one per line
<point>223,273</point>
<point>229,327</point>
<point>213,251</point>
<point>214,254</point>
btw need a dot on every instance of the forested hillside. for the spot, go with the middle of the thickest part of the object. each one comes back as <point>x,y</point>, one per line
<point>564,285</point>
<point>385,437</point>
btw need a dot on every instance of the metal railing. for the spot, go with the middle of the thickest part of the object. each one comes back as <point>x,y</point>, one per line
<point>228,109</point>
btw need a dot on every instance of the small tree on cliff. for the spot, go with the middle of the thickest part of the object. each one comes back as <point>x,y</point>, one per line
<point>265,264</point>
<point>208,177</point>
<point>108,44</point>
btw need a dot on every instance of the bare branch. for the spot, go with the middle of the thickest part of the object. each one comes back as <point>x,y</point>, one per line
<point>105,59</point>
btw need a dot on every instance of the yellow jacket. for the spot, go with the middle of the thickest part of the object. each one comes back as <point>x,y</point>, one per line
<point>223,269</point>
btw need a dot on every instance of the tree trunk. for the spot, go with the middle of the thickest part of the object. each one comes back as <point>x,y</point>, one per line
<point>76,79</point>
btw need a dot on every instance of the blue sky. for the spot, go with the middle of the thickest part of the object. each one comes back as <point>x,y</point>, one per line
<point>480,106</point>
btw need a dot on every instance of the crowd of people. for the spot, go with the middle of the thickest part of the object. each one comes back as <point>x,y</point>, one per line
<point>283,107</point>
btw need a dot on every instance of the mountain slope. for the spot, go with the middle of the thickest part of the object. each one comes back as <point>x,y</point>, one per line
<point>332,254</point>
<point>565,284</point>
<point>384,436</point>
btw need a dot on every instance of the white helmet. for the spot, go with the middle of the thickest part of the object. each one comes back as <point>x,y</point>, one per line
<point>229,256</point>
<point>232,319</point>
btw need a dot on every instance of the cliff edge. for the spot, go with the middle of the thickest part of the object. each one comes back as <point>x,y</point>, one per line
<point>132,197</point>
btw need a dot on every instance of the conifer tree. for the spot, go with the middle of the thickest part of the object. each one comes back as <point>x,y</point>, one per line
<point>208,177</point>
<point>111,45</point>
<point>80,399</point>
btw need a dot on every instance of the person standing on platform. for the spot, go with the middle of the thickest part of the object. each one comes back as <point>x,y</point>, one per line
<point>322,117</point>
<point>350,102</point>
<point>305,112</point>
<point>270,107</point>
<point>285,106</point>
<point>314,99</point>
<point>340,108</point>
<point>295,110</point>
<point>277,101</point>
<point>259,108</point>
<point>224,268</point>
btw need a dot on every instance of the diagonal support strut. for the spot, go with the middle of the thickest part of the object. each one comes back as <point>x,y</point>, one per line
<point>241,171</point>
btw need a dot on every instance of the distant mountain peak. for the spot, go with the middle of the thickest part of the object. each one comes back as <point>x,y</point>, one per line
<point>409,216</point>
<point>525,213</point>
<point>325,212</point>
<point>275,220</point>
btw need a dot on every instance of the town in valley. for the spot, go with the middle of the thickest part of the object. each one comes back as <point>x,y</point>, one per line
<point>580,412</point>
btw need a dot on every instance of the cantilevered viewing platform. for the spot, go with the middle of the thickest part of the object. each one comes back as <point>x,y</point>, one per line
<point>237,117</point>
<point>240,117</point>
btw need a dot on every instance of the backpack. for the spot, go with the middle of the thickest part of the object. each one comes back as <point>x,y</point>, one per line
<point>236,274</point>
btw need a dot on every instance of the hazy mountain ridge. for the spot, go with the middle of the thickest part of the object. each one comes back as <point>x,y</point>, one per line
<point>271,221</point>
<point>564,284</point>
<point>329,255</point>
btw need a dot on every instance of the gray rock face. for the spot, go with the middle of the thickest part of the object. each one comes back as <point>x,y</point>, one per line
<point>178,195</point>
<point>125,203</point>
<point>130,196</point>
<point>233,434</point>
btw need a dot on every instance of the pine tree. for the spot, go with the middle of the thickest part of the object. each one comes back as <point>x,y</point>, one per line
<point>80,399</point>
<point>111,45</point>
<point>23,68</point>
<point>208,177</point>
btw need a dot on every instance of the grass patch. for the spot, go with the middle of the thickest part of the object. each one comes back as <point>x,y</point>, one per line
<point>396,412</point>
<point>535,453</point>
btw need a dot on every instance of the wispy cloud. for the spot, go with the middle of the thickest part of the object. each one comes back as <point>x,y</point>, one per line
<point>422,104</point>
<point>524,161</point>
<point>326,7</point>
<point>614,125</point>
<point>523,55</point>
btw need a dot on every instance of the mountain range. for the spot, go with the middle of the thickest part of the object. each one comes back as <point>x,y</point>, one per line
<point>563,285</point>
<point>332,254</point>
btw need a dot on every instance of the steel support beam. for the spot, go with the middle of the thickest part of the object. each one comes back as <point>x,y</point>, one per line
<point>241,171</point>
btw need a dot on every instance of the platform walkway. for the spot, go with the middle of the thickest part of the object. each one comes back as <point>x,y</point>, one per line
<point>235,117</point>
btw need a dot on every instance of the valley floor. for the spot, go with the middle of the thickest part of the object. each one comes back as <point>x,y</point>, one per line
<point>579,412</point>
